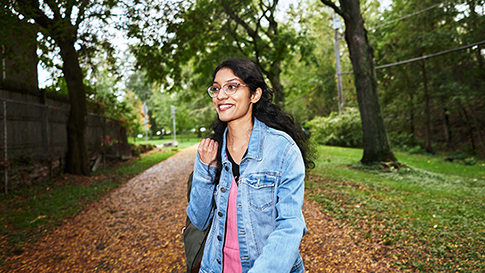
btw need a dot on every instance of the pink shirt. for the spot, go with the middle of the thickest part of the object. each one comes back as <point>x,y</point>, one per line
<point>232,260</point>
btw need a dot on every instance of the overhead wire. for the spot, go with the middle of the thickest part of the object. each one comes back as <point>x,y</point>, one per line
<point>424,57</point>
<point>406,16</point>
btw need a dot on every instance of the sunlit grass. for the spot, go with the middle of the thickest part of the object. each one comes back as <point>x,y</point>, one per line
<point>420,208</point>
<point>184,141</point>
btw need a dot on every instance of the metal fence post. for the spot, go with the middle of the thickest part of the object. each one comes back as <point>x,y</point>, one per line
<point>5,143</point>
<point>103,143</point>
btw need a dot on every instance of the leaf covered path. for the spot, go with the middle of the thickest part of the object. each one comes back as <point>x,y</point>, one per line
<point>137,228</point>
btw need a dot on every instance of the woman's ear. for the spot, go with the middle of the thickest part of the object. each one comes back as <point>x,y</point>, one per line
<point>256,95</point>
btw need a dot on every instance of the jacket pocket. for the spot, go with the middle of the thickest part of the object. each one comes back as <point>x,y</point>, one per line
<point>261,191</point>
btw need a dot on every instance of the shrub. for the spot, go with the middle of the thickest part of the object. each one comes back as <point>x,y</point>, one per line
<point>343,130</point>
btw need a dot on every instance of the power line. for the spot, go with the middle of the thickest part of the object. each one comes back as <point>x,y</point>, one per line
<point>425,57</point>
<point>431,55</point>
<point>406,16</point>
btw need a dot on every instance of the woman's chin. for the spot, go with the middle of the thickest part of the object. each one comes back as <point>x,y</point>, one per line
<point>224,118</point>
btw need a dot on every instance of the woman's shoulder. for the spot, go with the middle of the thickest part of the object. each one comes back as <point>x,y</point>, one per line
<point>278,136</point>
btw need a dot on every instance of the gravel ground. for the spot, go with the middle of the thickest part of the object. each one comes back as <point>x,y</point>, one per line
<point>137,228</point>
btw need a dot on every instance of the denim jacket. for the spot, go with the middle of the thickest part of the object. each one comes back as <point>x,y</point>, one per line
<point>270,196</point>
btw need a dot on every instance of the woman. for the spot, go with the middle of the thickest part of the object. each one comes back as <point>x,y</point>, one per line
<point>249,178</point>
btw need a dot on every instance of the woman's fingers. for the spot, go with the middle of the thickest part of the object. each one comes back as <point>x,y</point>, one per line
<point>208,151</point>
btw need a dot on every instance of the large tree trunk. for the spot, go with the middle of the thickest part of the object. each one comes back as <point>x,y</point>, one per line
<point>77,161</point>
<point>375,141</point>
<point>274,78</point>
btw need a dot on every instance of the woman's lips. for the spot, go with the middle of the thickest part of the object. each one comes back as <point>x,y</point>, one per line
<point>224,107</point>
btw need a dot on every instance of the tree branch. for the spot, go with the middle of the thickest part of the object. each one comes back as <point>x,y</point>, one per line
<point>270,18</point>
<point>55,9</point>
<point>239,21</point>
<point>334,7</point>
<point>30,8</point>
<point>82,10</point>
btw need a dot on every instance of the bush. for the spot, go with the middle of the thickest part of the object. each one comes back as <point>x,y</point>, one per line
<point>343,130</point>
<point>402,140</point>
<point>470,161</point>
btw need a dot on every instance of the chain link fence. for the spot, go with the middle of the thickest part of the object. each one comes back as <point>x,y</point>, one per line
<point>34,141</point>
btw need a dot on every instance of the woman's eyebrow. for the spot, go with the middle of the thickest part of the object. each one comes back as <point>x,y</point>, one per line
<point>235,79</point>
<point>229,80</point>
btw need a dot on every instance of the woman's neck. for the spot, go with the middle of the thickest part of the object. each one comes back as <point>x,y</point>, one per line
<point>238,134</point>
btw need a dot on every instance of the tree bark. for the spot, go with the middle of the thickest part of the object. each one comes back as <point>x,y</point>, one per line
<point>412,126</point>
<point>375,141</point>
<point>428,145</point>
<point>446,126</point>
<point>77,161</point>
<point>274,78</point>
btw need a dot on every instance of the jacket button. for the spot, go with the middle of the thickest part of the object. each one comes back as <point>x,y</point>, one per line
<point>219,237</point>
<point>223,189</point>
<point>227,168</point>
<point>220,214</point>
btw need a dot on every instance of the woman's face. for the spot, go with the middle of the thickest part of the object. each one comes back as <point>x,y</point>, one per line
<point>237,106</point>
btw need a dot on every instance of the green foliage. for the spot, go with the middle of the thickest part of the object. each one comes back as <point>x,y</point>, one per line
<point>138,85</point>
<point>431,213</point>
<point>200,35</point>
<point>338,130</point>
<point>454,81</point>
<point>309,75</point>
<point>27,213</point>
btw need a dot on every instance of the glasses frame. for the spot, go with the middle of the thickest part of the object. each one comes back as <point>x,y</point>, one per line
<point>213,94</point>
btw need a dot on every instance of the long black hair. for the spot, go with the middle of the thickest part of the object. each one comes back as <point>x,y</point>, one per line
<point>264,110</point>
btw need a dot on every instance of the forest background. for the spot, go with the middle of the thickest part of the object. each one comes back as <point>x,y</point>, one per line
<point>434,105</point>
<point>431,104</point>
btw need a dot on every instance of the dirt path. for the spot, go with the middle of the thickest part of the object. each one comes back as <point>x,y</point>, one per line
<point>137,229</point>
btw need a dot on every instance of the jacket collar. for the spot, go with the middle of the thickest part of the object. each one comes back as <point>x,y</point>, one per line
<point>255,146</point>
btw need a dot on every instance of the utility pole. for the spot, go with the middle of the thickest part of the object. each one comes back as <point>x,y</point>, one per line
<point>173,117</point>
<point>337,24</point>
<point>145,113</point>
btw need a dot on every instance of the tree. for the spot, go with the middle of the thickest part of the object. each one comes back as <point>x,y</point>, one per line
<point>446,90</point>
<point>310,85</point>
<point>61,21</point>
<point>375,142</point>
<point>137,83</point>
<point>203,33</point>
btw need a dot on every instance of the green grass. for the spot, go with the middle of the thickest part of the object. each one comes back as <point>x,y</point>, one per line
<point>434,211</point>
<point>27,213</point>
<point>184,141</point>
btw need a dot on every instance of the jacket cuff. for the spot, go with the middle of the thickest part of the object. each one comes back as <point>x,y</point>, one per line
<point>203,170</point>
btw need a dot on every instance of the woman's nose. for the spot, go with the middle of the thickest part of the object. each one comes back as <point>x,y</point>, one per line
<point>222,94</point>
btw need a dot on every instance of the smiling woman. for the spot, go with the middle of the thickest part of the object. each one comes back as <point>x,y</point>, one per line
<point>248,177</point>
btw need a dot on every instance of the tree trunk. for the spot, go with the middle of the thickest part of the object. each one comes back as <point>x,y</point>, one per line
<point>274,78</point>
<point>428,147</point>
<point>77,161</point>
<point>468,125</point>
<point>446,126</point>
<point>375,141</point>
<point>412,126</point>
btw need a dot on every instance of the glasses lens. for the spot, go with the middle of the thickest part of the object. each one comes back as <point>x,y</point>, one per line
<point>213,90</point>
<point>230,88</point>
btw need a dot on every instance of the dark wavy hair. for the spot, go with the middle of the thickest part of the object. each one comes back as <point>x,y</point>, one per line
<point>264,110</point>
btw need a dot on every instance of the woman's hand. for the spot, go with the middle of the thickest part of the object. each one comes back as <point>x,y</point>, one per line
<point>208,151</point>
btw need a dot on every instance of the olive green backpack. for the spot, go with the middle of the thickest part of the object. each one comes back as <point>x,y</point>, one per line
<point>194,239</point>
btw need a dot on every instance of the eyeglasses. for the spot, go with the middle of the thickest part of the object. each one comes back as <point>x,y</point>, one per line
<point>229,88</point>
